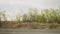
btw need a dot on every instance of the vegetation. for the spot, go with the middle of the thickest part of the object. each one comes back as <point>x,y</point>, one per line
<point>47,16</point>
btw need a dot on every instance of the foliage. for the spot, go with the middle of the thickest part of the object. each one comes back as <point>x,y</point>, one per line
<point>46,16</point>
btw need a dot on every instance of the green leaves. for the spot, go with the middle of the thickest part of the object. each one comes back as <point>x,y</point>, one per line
<point>46,16</point>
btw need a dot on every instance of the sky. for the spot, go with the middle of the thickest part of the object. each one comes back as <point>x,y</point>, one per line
<point>13,7</point>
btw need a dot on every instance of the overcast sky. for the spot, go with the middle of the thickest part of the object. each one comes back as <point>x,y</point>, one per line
<point>14,6</point>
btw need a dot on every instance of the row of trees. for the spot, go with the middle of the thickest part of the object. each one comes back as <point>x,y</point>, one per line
<point>46,16</point>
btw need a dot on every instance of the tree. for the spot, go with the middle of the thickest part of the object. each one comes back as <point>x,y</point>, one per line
<point>58,15</point>
<point>18,17</point>
<point>33,14</point>
<point>3,16</point>
<point>25,17</point>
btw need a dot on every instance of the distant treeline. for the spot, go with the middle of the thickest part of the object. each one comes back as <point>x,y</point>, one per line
<point>45,16</point>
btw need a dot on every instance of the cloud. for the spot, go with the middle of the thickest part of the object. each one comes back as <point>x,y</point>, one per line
<point>30,3</point>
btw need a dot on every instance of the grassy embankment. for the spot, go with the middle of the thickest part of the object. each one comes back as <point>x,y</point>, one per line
<point>28,25</point>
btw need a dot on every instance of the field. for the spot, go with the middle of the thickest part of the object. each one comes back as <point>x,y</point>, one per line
<point>28,25</point>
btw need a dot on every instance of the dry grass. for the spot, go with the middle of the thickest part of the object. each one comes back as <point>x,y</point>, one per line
<point>26,25</point>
